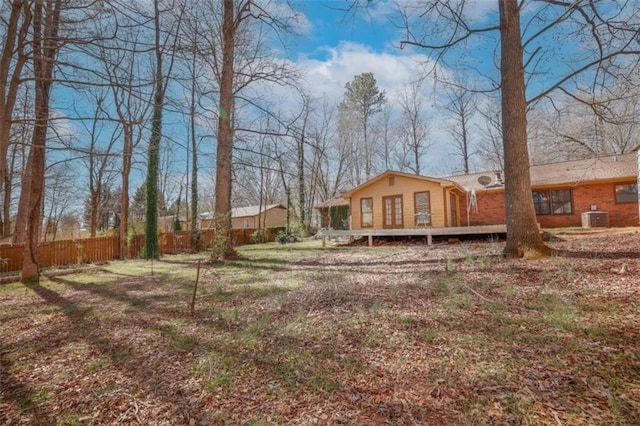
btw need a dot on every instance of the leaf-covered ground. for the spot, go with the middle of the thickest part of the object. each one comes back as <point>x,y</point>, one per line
<point>300,334</point>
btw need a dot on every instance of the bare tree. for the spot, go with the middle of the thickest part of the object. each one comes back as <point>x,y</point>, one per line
<point>462,107</point>
<point>164,45</point>
<point>238,58</point>
<point>61,194</point>
<point>601,124</point>
<point>413,128</point>
<point>45,46</point>
<point>329,156</point>
<point>17,154</point>
<point>99,160</point>
<point>490,149</point>
<point>301,142</point>
<point>122,66</point>
<point>385,131</point>
<point>13,59</point>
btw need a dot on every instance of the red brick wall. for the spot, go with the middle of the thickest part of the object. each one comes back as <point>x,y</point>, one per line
<point>491,208</point>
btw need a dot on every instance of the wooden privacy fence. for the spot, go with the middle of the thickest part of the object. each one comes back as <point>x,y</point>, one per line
<point>104,249</point>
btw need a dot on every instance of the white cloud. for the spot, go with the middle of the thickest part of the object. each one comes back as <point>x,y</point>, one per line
<point>343,62</point>
<point>393,70</point>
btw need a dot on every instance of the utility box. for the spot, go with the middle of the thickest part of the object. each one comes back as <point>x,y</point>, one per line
<point>595,219</point>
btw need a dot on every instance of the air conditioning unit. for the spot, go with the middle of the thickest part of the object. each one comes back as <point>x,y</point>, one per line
<point>595,219</point>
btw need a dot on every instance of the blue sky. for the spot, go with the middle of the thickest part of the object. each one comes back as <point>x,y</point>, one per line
<point>330,25</point>
<point>336,46</point>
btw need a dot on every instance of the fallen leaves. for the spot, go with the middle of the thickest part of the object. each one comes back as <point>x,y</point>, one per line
<point>384,335</point>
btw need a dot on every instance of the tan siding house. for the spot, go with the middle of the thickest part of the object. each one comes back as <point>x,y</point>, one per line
<point>395,200</point>
<point>251,217</point>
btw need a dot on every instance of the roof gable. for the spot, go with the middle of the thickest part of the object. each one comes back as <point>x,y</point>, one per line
<point>442,182</point>
<point>248,211</point>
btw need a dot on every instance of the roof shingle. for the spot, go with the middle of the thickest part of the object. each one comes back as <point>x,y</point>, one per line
<point>615,167</point>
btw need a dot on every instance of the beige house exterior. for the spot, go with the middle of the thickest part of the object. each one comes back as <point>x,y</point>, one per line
<point>251,217</point>
<point>395,200</point>
<point>166,223</point>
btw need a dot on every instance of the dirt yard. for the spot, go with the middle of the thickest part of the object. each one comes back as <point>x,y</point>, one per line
<point>300,334</point>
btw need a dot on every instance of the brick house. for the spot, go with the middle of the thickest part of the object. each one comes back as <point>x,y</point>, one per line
<point>562,192</point>
<point>603,191</point>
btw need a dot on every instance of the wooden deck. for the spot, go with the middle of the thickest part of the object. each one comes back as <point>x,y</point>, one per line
<point>426,232</point>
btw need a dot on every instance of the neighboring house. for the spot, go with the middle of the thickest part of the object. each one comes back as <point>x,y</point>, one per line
<point>562,192</point>
<point>167,223</point>
<point>251,217</point>
<point>604,190</point>
<point>395,200</point>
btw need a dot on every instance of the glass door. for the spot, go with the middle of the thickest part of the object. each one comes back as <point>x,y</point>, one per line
<point>392,213</point>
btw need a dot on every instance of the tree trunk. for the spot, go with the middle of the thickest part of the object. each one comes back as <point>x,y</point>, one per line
<point>465,138</point>
<point>10,76</point>
<point>523,236</point>
<point>94,207</point>
<point>153,159</point>
<point>14,41</point>
<point>124,195</point>
<point>45,48</point>
<point>151,217</point>
<point>225,138</point>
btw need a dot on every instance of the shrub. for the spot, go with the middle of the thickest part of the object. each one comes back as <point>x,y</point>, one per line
<point>292,236</point>
<point>259,236</point>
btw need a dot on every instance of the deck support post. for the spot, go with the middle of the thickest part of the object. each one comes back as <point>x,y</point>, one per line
<point>370,240</point>
<point>429,239</point>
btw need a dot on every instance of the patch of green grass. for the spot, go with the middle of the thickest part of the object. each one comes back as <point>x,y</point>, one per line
<point>376,308</point>
<point>11,287</point>
<point>96,365</point>
<point>466,300</point>
<point>121,354</point>
<point>407,319</point>
<point>262,324</point>
<point>228,315</point>
<point>429,335</point>
<point>73,419</point>
<point>449,265</point>
<point>373,339</point>
<point>485,262</point>
<point>265,290</point>
<point>181,342</point>
<point>25,351</point>
<point>219,371</point>
<point>35,397</point>
<point>443,286</point>
<point>469,257</point>
<point>298,368</point>
<point>556,311</point>
<point>596,332</point>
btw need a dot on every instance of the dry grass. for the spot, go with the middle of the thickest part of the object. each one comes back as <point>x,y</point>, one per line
<point>299,334</point>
